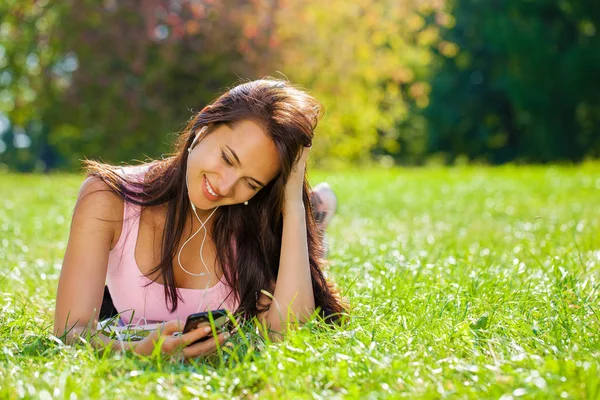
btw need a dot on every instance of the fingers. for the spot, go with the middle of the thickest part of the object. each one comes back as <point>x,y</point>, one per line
<point>170,327</point>
<point>305,154</point>
<point>171,344</point>
<point>300,165</point>
<point>188,338</point>
<point>206,347</point>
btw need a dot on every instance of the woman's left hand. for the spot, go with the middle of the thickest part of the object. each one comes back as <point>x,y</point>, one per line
<point>293,188</point>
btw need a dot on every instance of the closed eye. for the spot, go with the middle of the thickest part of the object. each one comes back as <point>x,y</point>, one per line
<point>227,160</point>
<point>229,163</point>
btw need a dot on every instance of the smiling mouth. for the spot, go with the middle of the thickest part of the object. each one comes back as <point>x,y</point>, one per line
<point>210,189</point>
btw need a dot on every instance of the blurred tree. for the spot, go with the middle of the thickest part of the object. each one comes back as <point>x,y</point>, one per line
<point>524,84</point>
<point>141,70</point>
<point>27,82</point>
<point>110,79</point>
<point>368,63</point>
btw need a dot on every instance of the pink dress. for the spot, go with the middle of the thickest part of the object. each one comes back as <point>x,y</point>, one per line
<point>140,304</point>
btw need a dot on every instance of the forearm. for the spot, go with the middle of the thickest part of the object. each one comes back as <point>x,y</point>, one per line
<point>293,288</point>
<point>97,339</point>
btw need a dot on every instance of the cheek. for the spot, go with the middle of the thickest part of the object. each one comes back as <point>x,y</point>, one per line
<point>199,164</point>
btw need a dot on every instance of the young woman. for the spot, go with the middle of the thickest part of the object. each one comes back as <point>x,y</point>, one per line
<point>225,222</point>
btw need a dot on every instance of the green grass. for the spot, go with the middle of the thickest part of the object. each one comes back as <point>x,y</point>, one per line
<point>470,282</point>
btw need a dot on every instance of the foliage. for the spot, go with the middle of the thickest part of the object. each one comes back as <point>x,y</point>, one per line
<point>127,74</point>
<point>117,80</point>
<point>121,76</point>
<point>30,61</point>
<point>464,283</point>
<point>368,64</point>
<point>143,69</point>
<point>524,84</point>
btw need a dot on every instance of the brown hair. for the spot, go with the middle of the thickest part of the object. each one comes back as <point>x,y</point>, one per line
<point>289,117</point>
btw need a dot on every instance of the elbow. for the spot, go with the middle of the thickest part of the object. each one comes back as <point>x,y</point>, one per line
<point>68,334</point>
<point>276,326</point>
<point>60,327</point>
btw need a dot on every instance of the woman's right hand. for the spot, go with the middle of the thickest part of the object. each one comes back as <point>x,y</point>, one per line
<point>180,345</point>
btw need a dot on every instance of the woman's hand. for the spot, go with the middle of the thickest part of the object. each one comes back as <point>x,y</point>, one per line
<point>180,345</point>
<point>293,188</point>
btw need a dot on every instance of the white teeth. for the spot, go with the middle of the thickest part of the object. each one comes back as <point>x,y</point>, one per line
<point>209,188</point>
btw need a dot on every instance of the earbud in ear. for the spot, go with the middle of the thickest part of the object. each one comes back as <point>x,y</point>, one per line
<point>200,132</point>
<point>193,143</point>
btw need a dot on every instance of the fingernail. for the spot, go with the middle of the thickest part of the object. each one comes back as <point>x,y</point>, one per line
<point>207,329</point>
<point>226,335</point>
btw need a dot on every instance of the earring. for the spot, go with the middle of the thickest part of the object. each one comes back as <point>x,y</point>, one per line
<point>245,203</point>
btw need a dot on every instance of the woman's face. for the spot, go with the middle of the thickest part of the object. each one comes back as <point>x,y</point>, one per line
<point>229,166</point>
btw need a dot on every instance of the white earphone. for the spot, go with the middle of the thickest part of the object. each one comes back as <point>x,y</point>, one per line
<point>196,139</point>
<point>200,132</point>
<point>202,224</point>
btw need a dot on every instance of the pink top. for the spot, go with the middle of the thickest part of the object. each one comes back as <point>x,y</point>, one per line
<point>140,304</point>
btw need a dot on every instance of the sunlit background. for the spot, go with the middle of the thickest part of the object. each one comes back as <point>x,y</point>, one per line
<point>402,82</point>
<point>464,282</point>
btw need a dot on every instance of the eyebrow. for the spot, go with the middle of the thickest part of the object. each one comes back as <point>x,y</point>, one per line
<point>240,164</point>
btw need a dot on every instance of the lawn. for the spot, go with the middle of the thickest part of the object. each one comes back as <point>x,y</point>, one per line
<point>466,282</point>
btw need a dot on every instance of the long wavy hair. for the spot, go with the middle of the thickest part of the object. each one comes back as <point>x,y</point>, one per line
<point>250,261</point>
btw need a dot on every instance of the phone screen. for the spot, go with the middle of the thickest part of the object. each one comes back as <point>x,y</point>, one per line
<point>220,318</point>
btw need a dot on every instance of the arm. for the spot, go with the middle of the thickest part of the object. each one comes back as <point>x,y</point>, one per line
<point>293,288</point>
<point>83,272</point>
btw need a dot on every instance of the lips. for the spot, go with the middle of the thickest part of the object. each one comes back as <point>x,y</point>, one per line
<point>206,192</point>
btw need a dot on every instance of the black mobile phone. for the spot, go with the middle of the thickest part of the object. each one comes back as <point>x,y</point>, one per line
<point>219,317</point>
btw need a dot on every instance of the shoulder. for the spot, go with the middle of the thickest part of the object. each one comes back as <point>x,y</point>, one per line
<point>96,191</point>
<point>100,206</point>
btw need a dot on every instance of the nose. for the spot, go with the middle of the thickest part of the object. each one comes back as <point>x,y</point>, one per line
<point>227,183</point>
